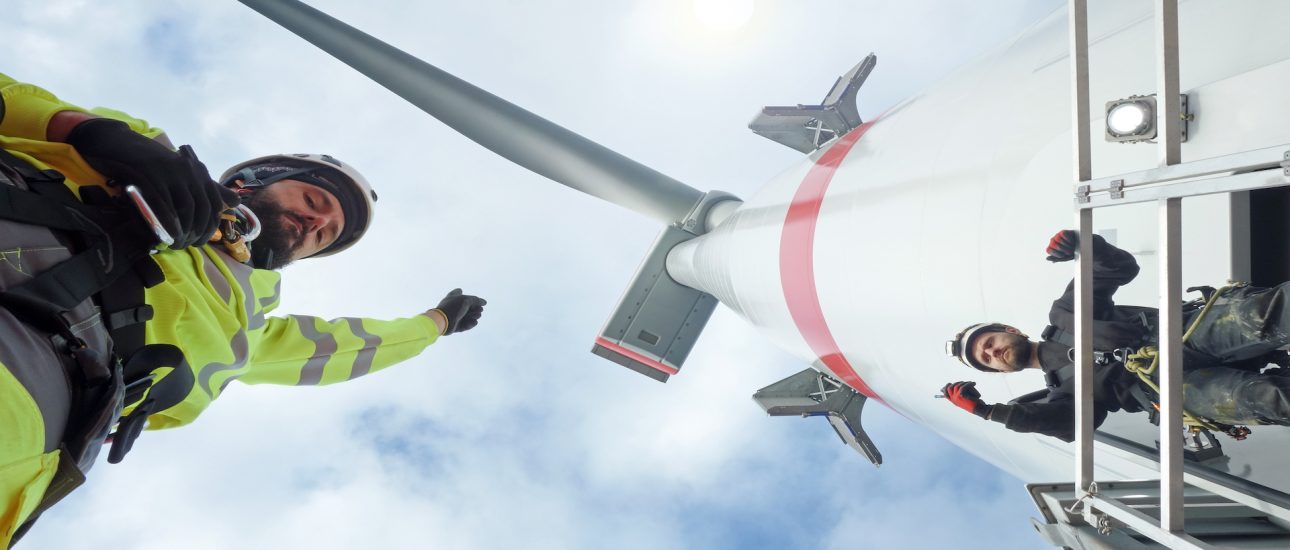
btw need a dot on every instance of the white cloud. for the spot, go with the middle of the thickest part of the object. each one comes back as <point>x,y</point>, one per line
<point>512,435</point>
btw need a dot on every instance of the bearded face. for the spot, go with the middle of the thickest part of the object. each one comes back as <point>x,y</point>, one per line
<point>278,241</point>
<point>1003,351</point>
<point>297,220</point>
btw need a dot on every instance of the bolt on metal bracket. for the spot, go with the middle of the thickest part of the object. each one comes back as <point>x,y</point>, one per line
<point>1117,189</point>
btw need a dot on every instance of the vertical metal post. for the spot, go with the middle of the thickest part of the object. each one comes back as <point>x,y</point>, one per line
<point>1170,369</point>
<point>1171,399</point>
<point>1079,81</point>
<point>1168,108</point>
<point>1078,24</point>
<point>1084,351</point>
<point>1242,261</point>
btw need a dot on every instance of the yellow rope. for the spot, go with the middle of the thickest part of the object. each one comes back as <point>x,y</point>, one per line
<point>1145,361</point>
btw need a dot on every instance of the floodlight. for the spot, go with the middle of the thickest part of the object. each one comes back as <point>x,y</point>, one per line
<point>1133,119</point>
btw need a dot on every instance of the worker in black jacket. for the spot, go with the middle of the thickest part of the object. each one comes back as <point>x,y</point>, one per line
<point>1223,382</point>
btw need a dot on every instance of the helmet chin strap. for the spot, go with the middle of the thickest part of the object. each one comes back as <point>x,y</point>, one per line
<point>261,257</point>
<point>249,181</point>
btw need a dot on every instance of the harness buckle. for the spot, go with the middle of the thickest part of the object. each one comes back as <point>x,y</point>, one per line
<point>126,317</point>
<point>87,360</point>
<point>1099,357</point>
<point>128,430</point>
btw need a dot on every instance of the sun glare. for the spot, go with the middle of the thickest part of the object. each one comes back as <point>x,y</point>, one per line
<point>723,15</point>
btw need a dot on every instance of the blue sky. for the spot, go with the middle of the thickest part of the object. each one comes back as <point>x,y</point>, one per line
<point>514,435</point>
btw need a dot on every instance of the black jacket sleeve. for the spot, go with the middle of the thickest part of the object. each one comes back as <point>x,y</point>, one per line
<point>1055,418</point>
<point>1112,269</point>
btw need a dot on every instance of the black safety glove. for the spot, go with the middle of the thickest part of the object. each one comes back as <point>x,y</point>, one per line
<point>1063,246</point>
<point>461,310</point>
<point>965,396</point>
<point>175,184</point>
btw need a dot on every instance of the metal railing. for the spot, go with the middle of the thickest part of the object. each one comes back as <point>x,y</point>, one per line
<point>1167,185</point>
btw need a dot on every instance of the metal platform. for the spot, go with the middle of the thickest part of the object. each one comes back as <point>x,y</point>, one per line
<point>1214,519</point>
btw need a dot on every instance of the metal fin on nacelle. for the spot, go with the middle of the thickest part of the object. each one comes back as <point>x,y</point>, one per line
<point>807,127</point>
<point>814,393</point>
<point>658,320</point>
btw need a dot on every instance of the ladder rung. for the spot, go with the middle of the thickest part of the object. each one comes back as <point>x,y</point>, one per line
<point>1248,181</point>
<point>1225,174</point>
<point>1146,525</point>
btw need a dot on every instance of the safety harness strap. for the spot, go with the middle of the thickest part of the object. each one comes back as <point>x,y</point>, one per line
<point>1054,334</point>
<point>72,281</point>
<point>111,243</point>
<point>37,209</point>
<point>113,265</point>
<point>1057,378</point>
<point>124,310</point>
<point>161,395</point>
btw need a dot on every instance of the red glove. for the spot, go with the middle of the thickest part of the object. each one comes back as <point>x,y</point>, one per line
<point>1063,245</point>
<point>964,396</point>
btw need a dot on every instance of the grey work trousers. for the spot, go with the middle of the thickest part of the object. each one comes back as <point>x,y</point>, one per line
<point>38,410</point>
<point>1223,381</point>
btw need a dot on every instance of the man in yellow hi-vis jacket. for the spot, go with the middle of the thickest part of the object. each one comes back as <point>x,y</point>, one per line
<point>160,330</point>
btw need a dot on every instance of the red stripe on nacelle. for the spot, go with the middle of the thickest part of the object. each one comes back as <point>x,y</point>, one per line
<point>797,262</point>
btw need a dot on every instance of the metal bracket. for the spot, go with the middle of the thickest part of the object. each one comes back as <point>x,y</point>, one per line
<point>1285,165</point>
<point>1117,189</point>
<point>1084,507</point>
<point>1149,103</point>
<point>1089,493</point>
<point>1104,524</point>
<point>696,222</point>
<point>1082,194</point>
<point>1199,445</point>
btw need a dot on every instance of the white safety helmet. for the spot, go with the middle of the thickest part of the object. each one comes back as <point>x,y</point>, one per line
<point>961,346</point>
<point>357,199</point>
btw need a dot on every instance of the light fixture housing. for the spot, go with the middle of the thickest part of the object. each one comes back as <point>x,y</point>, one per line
<point>1133,119</point>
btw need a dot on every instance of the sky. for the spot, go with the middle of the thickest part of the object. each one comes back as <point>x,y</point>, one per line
<point>514,434</point>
